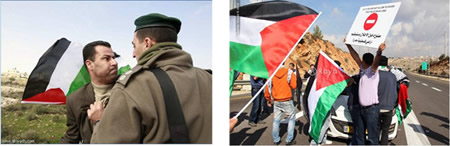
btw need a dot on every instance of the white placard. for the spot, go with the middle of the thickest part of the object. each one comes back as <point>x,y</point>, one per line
<point>372,25</point>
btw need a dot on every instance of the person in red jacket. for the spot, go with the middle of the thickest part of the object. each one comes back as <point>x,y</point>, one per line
<point>280,90</point>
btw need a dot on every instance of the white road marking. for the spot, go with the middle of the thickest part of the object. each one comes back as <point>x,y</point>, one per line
<point>436,89</point>
<point>417,81</point>
<point>424,84</point>
<point>413,131</point>
<point>298,115</point>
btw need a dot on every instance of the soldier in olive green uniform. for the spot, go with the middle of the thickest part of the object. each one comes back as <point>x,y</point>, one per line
<point>136,111</point>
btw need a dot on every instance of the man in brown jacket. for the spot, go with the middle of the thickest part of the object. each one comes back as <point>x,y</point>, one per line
<point>136,112</point>
<point>99,61</point>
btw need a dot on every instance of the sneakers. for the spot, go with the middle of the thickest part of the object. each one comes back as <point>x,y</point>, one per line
<point>265,114</point>
<point>252,124</point>
<point>277,143</point>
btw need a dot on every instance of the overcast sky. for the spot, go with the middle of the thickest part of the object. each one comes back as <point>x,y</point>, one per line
<point>28,29</point>
<point>418,29</point>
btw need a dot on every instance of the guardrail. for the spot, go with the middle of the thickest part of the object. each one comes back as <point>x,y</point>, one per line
<point>242,82</point>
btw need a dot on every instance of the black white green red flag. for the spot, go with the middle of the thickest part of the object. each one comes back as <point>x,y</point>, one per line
<point>404,107</point>
<point>262,35</point>
<point>322,90</point>
<point>58,73</point>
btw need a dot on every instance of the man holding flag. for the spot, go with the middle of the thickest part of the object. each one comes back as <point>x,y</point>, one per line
<point>321,92</point>
<point>99,60</point>
<point>280,90</point>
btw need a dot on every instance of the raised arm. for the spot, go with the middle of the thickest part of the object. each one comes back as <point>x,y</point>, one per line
<point>354,54</point>
<point>376,62</point>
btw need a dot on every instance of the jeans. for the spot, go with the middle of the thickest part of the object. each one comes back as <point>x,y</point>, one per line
<point>385,122</point>
<point>257,105</point>
<point>370,117</point>
<point>265,107</point>
<point>358,136</point>
<point>286,107</point>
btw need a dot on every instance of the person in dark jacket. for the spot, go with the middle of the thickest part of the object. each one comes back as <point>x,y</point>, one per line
<point>388,98</point>
<point>100,62</point>
<point>311,71</point>
<point>258,102</point>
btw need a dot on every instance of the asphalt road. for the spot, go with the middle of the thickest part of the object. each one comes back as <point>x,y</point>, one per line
<point>429,97</point>
<point>430,104</point>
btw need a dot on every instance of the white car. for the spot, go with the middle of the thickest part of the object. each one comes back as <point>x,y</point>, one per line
<point>340,125</point>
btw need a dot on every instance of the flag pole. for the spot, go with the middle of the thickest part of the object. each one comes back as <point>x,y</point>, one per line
<point>271,76</point>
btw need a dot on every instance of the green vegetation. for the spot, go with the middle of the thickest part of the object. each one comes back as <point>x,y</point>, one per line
<point>317,33</point>
<point>442,57</point>
<point>33,123</point>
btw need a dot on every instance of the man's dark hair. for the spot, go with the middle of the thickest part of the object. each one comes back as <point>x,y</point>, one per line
<point>383,61</point>
<point>311,65</point>
<point>291,64</point>
<point>89,50</point>
<point>160,34</point>
<point>368,58</point>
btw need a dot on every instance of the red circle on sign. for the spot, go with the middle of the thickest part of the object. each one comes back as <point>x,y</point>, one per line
<point>370,21</point>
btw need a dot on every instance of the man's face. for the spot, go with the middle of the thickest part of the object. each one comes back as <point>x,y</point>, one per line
<point>139,47</point>
<point>291,67</point>
<point>104,66</point>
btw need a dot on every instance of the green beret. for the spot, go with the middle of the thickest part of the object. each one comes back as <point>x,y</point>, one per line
<point>157,20</point>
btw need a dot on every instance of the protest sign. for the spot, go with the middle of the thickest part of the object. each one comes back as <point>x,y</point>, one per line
<point>372,25</point>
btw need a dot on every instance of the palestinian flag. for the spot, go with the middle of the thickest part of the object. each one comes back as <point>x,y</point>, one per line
<point>321,92</point>
<point>59,72</point>
<point>404,107</point>
<point>263,34</point>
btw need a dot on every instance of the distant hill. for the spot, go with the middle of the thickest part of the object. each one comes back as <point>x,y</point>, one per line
<point>306,54</point>
<point>440,67</point>
<point>437,67</point>
<point>14,78</point>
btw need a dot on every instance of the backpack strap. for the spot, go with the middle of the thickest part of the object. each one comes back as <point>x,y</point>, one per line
<point>177,125</point>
